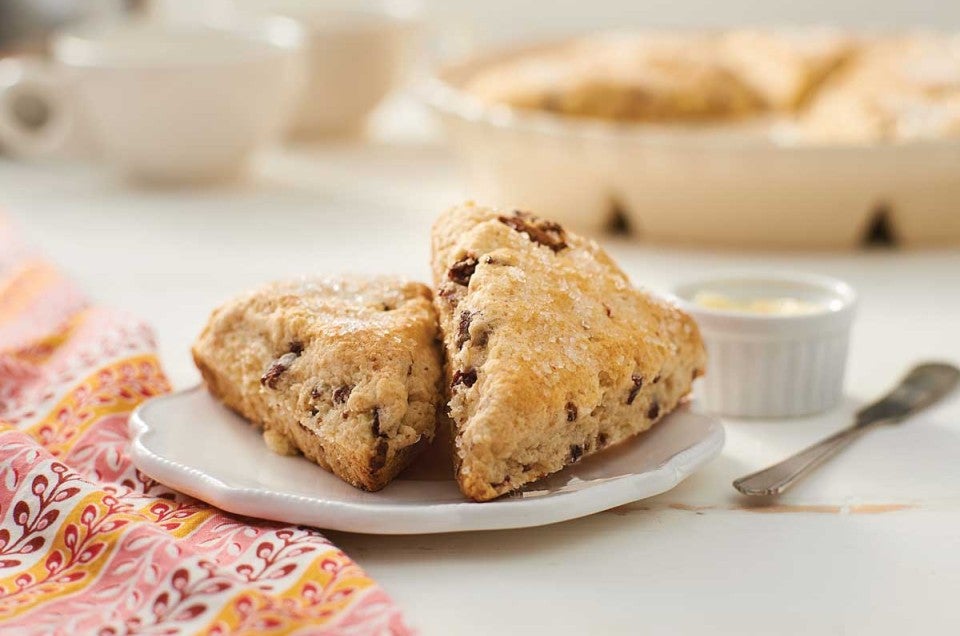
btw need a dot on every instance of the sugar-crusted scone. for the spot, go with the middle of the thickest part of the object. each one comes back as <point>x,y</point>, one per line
<point>626,77</point>
<point>896,88</point>
<point>344,370</point>
<point>784,66</point>
<point>679,77</point>
<point>816,85</point>
<point>551,354</point>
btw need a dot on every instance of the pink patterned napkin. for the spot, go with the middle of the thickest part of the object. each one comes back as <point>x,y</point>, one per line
<point>88,545</point>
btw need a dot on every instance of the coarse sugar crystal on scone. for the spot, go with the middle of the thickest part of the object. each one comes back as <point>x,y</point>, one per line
<point>345,370</point>
<point>552,355</point>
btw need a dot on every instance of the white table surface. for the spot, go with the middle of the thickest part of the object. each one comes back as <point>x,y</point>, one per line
<point>868,545</point>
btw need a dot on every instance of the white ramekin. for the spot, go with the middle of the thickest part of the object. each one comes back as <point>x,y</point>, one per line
<point>771,365</point>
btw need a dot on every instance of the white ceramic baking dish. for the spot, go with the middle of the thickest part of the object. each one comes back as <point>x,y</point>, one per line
<point>740,185</point>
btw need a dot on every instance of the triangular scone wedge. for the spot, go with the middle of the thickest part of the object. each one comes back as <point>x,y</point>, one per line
<point>551,354</point>
<point>785,67</point>
<point>345,370</point>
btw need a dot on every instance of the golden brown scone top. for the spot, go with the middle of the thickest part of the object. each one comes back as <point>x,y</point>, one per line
<point>536,319</point>
<point>545,294</point>
<point>343,369</point>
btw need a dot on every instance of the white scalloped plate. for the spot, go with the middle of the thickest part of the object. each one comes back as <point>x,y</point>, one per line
<point>190,442</point>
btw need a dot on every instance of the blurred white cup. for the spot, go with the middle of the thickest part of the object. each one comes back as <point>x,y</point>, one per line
<point>356,52</point>
<point>161,102</point>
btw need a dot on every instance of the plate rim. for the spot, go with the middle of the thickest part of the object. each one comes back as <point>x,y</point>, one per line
<point>431,519</point>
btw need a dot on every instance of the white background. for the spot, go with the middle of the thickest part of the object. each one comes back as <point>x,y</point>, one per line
<point>499,20</point>
<point>868,545</point>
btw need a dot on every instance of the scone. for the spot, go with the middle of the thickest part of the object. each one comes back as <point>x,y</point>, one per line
<point>896,89</point>
<point>785,67</point>
<point>343,370</point>
<point>552,355</point>
<point>623,77</point>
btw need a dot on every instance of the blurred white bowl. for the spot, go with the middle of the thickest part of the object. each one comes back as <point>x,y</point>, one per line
<point>163,103</point>
<point>357,51</point>
<point>721,184</point>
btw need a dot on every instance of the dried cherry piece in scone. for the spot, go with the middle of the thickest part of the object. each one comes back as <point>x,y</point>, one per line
<point>637,385</point>
<point>379,458</point>
<point>538,230</point>
<point>461,271</point>
<point>654,410</point>
<point>271,376</point>
<point>341,395</point>
<point>467,377</point>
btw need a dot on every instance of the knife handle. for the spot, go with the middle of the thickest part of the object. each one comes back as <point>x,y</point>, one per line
<point>777,478</point>
<point>925,385</point>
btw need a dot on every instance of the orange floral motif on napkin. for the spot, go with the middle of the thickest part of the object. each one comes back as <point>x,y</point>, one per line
<point>89,545</point>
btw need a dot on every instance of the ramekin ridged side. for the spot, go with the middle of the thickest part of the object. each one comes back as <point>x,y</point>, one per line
<point>762,365</point>
<point>774,378</point>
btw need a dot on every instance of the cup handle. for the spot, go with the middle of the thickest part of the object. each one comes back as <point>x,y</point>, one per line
<point>36,115</point>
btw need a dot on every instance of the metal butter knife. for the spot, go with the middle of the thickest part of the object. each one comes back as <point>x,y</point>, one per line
<point>923,386</point>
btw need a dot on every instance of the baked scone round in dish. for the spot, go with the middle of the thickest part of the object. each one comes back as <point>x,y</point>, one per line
<point>785,67</point>
<point>896,88</point>
<point>836,87</point>
<point>343,370</point>
<point>552,355</point>
<point>668,77</point>
<point>654,78</point>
